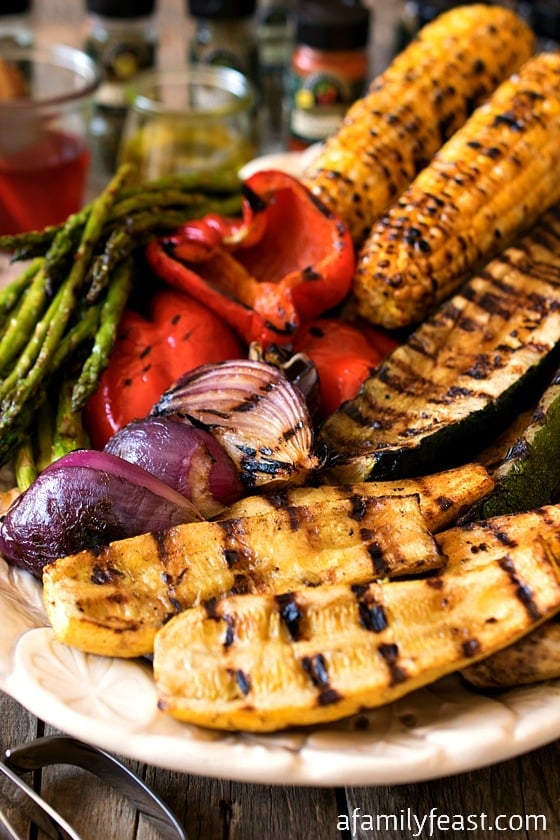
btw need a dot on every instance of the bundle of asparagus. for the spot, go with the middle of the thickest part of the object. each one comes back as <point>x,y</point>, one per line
<point>59,316</point>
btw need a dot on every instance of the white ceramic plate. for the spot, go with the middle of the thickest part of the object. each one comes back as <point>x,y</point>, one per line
<point>112,703</point>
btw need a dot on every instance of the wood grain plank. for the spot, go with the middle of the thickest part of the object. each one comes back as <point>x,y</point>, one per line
<point>521,789</point>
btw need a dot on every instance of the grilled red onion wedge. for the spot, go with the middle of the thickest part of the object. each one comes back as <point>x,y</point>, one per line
<point>87,499</point>
<point>258,416</point>
<point>190,460</point>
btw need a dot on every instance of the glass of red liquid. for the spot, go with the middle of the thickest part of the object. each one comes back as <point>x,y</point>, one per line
<point>46,99</point>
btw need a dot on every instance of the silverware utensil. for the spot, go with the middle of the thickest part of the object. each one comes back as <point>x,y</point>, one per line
<point>63,749</point>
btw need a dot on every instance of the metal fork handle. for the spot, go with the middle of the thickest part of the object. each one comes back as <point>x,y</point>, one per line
<point>64,830</point>
<point>63,749</point>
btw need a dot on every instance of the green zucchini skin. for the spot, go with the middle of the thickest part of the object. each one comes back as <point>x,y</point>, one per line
<point>461,376</point>
<point>528,475</point>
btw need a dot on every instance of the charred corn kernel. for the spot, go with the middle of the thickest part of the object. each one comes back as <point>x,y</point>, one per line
<point>493,179</point>
<point>413,107</point>
<point>260,662</point>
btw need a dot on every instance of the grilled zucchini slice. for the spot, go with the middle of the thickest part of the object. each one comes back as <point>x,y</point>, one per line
<point>265,662</point>
<point>433,401</point>
<point>528,473</point>
<point>113,601</point>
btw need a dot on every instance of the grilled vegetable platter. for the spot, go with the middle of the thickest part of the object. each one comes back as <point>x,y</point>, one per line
<point>286,450</point>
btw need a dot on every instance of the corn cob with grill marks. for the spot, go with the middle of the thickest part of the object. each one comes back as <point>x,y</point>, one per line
<point>260,662</point>
<point>490,181</point>
<point>413,108</point>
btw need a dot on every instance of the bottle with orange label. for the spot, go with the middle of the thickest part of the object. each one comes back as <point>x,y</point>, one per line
<point>329,67</point>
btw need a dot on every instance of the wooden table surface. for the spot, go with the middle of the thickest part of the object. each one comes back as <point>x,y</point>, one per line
<point>214,809</point>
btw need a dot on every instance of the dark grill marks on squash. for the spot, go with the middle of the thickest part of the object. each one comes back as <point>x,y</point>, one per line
<point>522,589</point>
<point>316,669</point>
<point>291,614</point>
<point>160,539</point>
<point>371,614</point>
<point>390,654</point>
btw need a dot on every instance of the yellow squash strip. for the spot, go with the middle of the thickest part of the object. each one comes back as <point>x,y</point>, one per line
<point>265,662</point>
<point>443,496</point>
<point>489,182</point>
<point>113,601</point>
<point>413,107</point>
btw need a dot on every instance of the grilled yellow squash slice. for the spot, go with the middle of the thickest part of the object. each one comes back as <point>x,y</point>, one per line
<point>265,662</point>
<point>443,496</point>
<point>113,601</point>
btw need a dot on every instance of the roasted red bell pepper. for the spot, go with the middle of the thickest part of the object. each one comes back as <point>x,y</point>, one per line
<point>150,354</point>
<point>288,259</point>
<point>344,353</point>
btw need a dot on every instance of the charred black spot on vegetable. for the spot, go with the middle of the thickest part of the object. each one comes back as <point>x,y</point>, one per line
<point>242,680</point>
<point>230,631</point>
<point>316,669</point>
<point>471,648</point>
<point>372,616</point>
<point>375,551</point>
<point>504,538</point>
<point>390,654</point>
<point>522,590</point>
<point>291,614</point>
<point>510,120</point>
<point>444,503</point>
<point>359,507</point>
<point>105,574</point>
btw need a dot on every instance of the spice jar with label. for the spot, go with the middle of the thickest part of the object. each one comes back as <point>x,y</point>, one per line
<point>329,67</point>
<point>225,34</point>
<point>122,39</point>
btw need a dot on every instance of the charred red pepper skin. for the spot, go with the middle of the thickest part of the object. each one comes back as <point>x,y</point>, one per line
<point>150,354</point>
<point>287,260</point>
<point>345,354</point>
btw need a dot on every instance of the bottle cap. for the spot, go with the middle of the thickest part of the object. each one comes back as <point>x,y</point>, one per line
<point>333,26</point>
<point>221,9</point>
<point>14,7</point>
<point>430,10</point>
<point>121,8</point>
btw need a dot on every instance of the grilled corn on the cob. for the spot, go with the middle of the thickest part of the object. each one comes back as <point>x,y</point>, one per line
<point>413,107</point>
<point>489,182</point>
<point>260,662</point>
